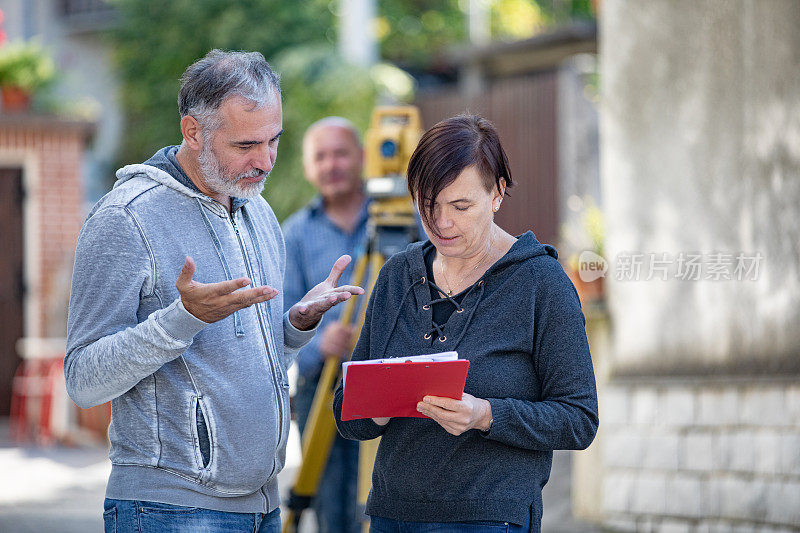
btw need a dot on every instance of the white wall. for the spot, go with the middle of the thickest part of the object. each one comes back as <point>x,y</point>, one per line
<point>700,134</point>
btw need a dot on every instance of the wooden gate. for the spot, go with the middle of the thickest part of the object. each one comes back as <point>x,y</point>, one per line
<point>523,108</point>
<point>11,279</point>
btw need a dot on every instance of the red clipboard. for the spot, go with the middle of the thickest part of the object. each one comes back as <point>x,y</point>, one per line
<point>393,389</point>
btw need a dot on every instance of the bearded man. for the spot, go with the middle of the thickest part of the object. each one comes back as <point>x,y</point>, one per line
<point>176,319</point>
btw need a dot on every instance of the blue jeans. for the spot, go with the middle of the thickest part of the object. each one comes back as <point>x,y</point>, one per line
<point>129,516</point>
<point>386,525</point>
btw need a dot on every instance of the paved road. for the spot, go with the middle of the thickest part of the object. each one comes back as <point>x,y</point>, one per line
<point>61,489</point>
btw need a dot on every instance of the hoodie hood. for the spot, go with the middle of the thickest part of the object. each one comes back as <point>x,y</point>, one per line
<point>526,247</point>
<point>163,168</point>
<point>166,160</point>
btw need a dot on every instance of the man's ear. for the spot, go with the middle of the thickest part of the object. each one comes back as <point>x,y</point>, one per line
<point>192,134</point>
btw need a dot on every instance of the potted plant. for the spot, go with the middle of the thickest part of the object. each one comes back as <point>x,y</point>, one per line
<point>24,68</point>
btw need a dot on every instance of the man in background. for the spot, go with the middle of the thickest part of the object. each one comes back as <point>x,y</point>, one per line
<point>332,224</point>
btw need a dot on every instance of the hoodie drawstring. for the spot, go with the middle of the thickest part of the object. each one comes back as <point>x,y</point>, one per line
<point>399,309</point>
<point>480,286</point>
<point>237,320</point>
<point>436,328</point>
<point>263,274</point>
<point>439,328</point>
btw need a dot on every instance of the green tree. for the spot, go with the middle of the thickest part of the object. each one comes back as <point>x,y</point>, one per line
<point>316,83</point>
<point>414,32</point>
<point>158,39</point>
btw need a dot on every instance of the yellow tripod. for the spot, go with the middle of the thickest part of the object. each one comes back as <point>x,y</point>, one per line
<point>392,225</point>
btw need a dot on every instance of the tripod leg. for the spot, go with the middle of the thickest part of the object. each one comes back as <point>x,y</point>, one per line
<point>320,429</point>
<point>368,449</point>
<point>291,522</point>
<point>359,269</point>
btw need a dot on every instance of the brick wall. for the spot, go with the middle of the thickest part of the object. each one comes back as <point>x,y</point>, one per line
<point>702,456</point>
<point>49,151</point>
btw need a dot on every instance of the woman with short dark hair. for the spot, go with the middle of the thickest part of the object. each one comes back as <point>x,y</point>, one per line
<point>505,304</point>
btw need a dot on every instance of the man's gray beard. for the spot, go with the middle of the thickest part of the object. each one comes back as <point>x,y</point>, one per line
<point>215,177</point>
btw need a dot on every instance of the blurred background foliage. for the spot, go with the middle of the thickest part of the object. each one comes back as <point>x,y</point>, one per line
<point>316,82</point>
<point>414,33</point>
<point>159,39</point>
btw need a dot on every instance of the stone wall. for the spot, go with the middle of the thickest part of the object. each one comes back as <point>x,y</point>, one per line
<point>702,455</point>
<point>700,156</point>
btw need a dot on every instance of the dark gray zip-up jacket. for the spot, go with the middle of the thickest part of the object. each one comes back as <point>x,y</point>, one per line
<point>169,376</point>
<point>522,329</point>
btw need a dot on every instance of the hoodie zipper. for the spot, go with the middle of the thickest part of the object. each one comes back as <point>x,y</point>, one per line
<point>270,350</point>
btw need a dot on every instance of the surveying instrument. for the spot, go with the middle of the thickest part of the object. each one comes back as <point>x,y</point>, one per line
<point>391,139</point>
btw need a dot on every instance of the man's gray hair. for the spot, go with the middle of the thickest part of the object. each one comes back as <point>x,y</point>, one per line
<point>220,75</point>
<point>339,122</point>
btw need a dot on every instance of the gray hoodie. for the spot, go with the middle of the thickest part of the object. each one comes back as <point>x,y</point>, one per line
<point>200,412</point>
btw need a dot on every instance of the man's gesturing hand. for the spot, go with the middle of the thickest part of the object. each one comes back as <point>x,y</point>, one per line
<point>306,313</point>
<point>214,301</point>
